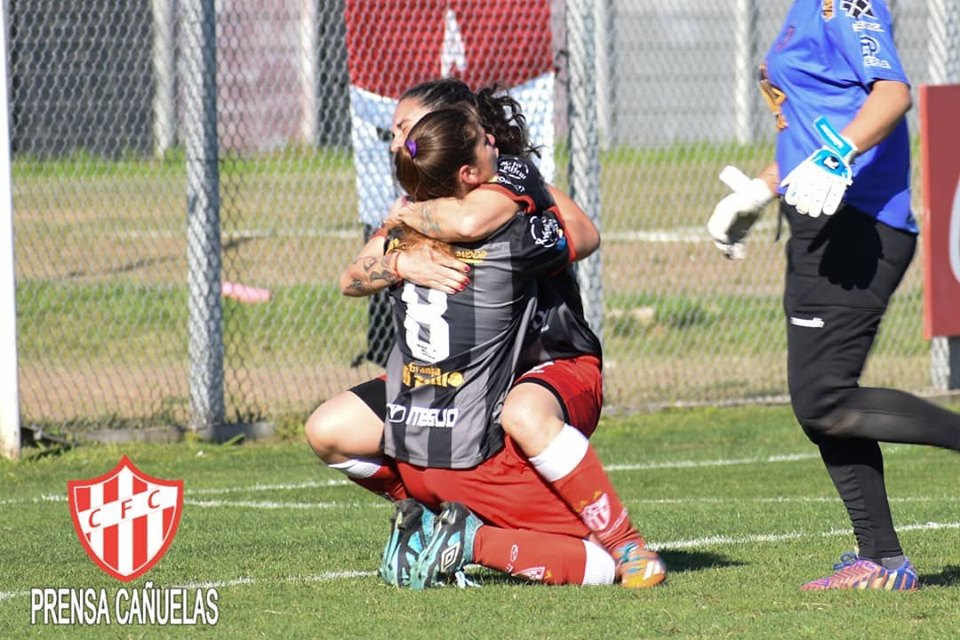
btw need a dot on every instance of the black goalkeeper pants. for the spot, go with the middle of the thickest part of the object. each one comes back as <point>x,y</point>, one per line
<point>841,272</point>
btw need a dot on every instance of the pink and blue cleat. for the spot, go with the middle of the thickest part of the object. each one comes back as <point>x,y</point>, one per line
<point>853,572</point>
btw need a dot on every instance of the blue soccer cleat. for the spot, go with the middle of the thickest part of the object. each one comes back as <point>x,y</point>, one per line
<point>855,573</point>
<point>410,528</point>
<point>449,550</point>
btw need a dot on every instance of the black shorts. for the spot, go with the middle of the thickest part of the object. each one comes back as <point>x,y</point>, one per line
<point>374,395</point>
<point>841,271</point>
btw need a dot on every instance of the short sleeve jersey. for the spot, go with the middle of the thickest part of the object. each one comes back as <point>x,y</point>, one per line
<point>824,61</point>
<point>559,329</point>
<point>455,356</point>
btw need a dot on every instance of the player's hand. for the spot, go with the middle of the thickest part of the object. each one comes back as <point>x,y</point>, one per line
<point>735,214</point>
<point>395,215</point>
<point>422,264</point>
<point>818,183</point>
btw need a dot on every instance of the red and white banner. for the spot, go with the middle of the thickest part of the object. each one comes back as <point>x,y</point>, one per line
<point>125,519</point>
<point>395,44</point>
<point>940,167</point>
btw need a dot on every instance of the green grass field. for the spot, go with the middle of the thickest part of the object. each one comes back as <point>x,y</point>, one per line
<point>735,499</point>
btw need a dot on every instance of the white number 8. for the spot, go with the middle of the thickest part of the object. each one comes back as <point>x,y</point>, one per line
<point>427,332</point>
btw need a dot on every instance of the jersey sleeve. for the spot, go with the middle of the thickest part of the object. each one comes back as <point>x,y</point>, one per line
<point>538,244</point>
<point>521,181</point>
<point>863,33</point>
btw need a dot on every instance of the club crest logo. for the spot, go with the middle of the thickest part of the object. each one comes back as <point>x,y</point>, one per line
<point>596,515</point>
<point>858,8</point>
<point>125,519</point>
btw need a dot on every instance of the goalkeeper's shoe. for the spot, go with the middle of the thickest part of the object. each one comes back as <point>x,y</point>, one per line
<point>855,573</point>
<point>410,527</point>
<point>449,550</point>
<point>639,568</point>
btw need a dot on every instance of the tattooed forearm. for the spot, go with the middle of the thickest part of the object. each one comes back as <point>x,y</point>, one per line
<point>375,274</point>
<point>429,225</point>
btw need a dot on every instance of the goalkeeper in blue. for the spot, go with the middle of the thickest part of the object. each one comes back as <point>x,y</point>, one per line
<point>836,87</point>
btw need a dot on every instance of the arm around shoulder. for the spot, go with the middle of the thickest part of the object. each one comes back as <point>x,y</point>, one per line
<point>581,232</point>
<point>471,218</point>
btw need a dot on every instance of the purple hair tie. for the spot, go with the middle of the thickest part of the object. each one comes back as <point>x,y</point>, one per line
<point>412,148</point>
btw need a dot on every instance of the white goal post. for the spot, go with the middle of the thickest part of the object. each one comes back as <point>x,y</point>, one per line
<point>9,388</point>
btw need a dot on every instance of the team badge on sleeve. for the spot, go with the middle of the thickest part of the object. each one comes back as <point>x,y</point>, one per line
<point>547,232</point>
<point>513,173</point>
<point>125,519</point>
<point>870,47</point>
<point>858,8</point>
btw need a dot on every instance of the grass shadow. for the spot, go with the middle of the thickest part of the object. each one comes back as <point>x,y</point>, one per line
<point>678,561</point>
<point>948,577</point>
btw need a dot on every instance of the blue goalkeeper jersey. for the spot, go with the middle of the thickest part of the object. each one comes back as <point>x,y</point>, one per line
<point>823,63</point>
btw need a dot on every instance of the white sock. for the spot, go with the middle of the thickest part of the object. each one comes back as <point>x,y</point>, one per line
<point>562,455</point>
<point>600,567</point>
<point>359,467</point>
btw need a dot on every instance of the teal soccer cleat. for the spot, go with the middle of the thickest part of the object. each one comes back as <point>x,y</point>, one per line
<point>410,529</point>
<point>449,550</point>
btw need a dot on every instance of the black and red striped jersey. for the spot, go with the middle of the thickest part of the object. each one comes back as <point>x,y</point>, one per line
<point>456,355</point>
<point>560,329</point>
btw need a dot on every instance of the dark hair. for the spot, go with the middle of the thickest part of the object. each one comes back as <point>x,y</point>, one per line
<point>438,94</point>
<point>502,117</point>
<point>499,114</point>
<point>436,147</point>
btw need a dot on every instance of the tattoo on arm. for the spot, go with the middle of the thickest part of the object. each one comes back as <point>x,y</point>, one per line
<point>377,274</point>
<point>429,226</point>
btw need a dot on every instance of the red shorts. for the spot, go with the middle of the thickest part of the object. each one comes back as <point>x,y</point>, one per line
<point>577,383</point>
<point>505,491</point>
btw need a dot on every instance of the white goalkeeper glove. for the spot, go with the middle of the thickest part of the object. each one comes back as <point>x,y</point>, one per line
<point>818,183</point>
<point>735,214</point>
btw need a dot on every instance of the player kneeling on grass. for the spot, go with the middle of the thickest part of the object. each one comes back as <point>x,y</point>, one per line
<point>446,381</point>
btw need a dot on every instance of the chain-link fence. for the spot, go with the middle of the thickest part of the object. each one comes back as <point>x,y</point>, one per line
<point>175,159</point>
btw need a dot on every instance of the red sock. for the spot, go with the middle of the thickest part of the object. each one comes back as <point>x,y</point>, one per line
<point>572,468</point>
<point>540,557</point>
<point>378,476</point>
<point>388,486</point>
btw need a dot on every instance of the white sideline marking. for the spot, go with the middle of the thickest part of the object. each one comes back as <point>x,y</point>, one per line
<point>709,541</point>
<point>692,464</point>
<point>726,462</point>
<point>781,499</point>
<point>270,504</point>
<point>299,506</point>
<point>781,537</point>
<point>246,504</point>
<point>311,484</point>
<point>322,577</point>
